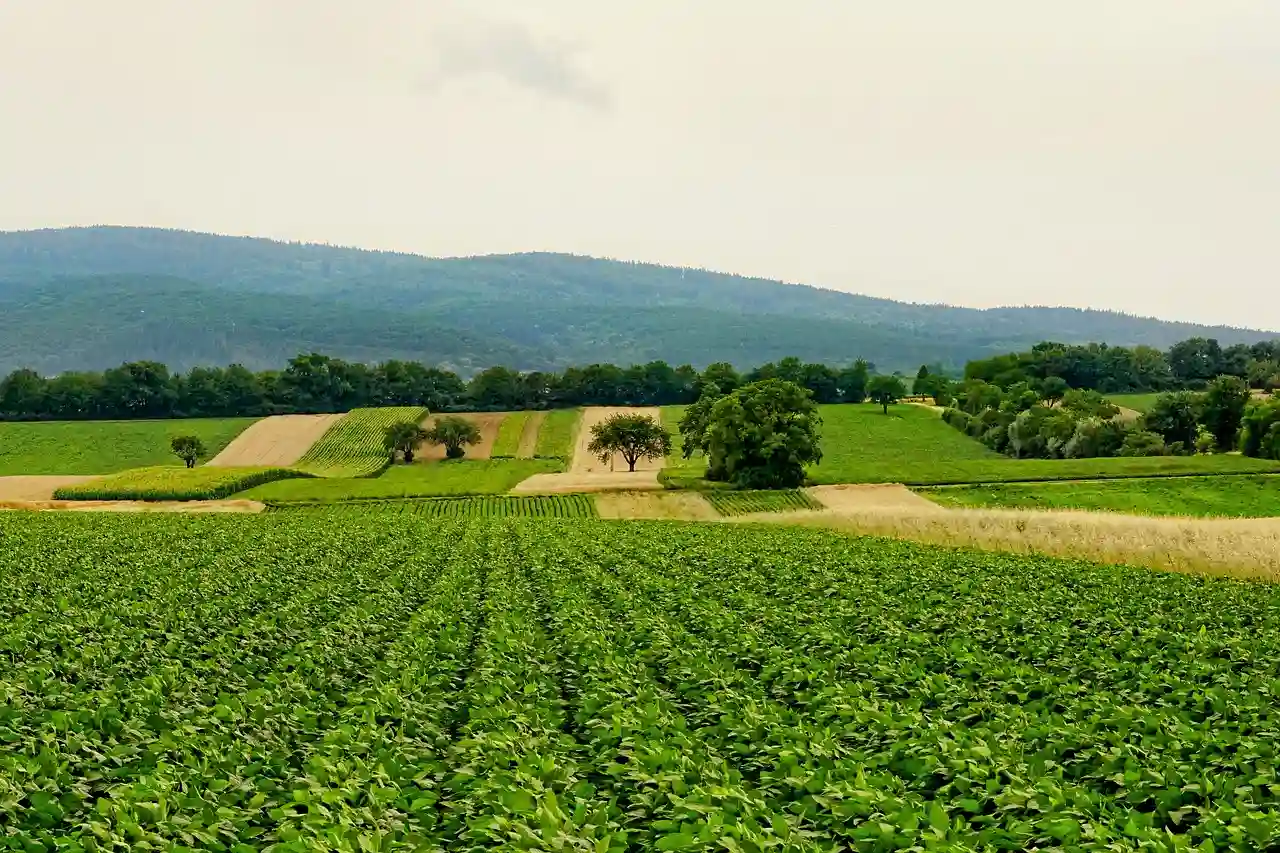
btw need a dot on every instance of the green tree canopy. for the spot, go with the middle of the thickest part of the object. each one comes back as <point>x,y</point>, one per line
<point>1222,410</point>
<point>188,448</point>
<point>455,434</point>
<point>634,437</point>
<point>403,438</point>
<point>763,434</point>
<point>886,390</point>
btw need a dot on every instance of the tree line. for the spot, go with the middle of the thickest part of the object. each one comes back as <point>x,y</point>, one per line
<point>316,383</point>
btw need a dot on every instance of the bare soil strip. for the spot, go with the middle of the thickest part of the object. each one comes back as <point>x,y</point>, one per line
<point>224,506</point>
<point>570,483</point>
<point>486,422</point>
<point>529,436</point>
<point>585,463</point>
<point>852,498</point>
<point>277,441</point>
<point>35,488</point>
<point>684,506</point>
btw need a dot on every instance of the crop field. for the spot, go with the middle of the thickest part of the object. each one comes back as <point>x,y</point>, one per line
<point>105,447</point>
<point>345,681</point>
<point>419,480</point>
<point>489,506</point>
<point>174,484</point>
<point>1239,496</point>
<point>743,503</point>
<point>557,435</point>
<point>352,447</point>
<point>507,444</point>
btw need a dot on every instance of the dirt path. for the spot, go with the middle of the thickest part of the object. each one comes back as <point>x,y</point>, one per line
<point>529,437</point>
<point>486,422</point>
<point>585,463</point>
<point>853,498</point>
<point>224,506</point>
<point>35,488</point>
<point>276,441</point>
<point>683,506</point>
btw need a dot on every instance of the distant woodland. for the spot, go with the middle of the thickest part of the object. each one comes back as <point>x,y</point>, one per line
<point>86,299</point>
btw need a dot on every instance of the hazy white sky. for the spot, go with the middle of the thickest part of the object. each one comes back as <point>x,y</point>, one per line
<point>1111,153</point>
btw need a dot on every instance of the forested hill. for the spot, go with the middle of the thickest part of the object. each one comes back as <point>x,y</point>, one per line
<point>88,298</point>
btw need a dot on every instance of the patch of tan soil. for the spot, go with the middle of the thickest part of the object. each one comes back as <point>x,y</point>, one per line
<point>277,441</point>
<point>585,463</point>
<point>486,422</point>
<point>854,498</point>
<point>684,506</point>
<point>35,488</point>
<point>529,436</point>
<point>570,483</point>
<point>1128,416</point>
<point>224,506</point>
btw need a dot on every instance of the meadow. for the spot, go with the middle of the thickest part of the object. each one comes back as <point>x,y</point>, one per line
<point>1137,402</point>
<point>105,447</point>
<point>420,479</point>
<point>350,679</point>
<point>1229,496</point>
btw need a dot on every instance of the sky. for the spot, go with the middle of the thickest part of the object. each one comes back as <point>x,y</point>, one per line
<point>1094,153</point>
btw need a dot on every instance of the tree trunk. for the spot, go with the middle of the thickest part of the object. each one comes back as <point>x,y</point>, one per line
<point>191,463</point>
<point>408,455</point>
<point>886,408</point>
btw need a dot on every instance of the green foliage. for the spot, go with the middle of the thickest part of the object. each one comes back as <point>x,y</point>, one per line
<point>175,484</point>
<point>732,502</point>
<point>491,506</point>
<point>419,480</point>
<point>886,390</point>
<point>694,422</point>
<point>355,445</point>
<point>1085,403</point>
<point>1239,496</point>
<point>1053,389</point>
<point>105,447</point>
<point>1260,433</point>
<point>634,437</point>
<point>1175,417</point>
<point>403,437</point>
<point>558,433</point>
<point>370,680</point>
<point>763,435</point>
<point>188,448</point>
<point>454,433</point>
<point>1143,443</point>
<point>1222,410</point>
<point>507,444</point>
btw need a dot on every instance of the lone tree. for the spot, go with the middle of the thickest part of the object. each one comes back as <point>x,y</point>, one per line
<point>886,390</point>
<point>188,448</point>
<point>455,434</point>
<point>762,435</point>
<point>403,437</point>
<point>635,437</point>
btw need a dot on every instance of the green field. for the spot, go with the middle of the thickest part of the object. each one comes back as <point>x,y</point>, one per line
<point>175,484</point>
<point>489,506</point>
<point>558,433</point>
<point>419,480</point>
<point>105,447</point>
<point>1239,496</point>
<point>507,444</point>
<point>352,447</point>
<point>746,502</point>
<point>1137,402</point>
<point>371,680</point>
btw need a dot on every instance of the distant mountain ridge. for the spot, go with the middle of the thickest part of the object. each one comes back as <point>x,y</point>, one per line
<point>89,298</point>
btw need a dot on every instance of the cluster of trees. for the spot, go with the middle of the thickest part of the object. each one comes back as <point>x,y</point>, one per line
<point>1188,365</point>
<point>315,383</point>
<point>1047,419</point>
<point>455,434</point>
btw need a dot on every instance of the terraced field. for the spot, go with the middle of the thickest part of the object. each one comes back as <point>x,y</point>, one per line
<point>358,680</point>
<point>352,447</point>
<point>744,503</point>
<point>493,506</point>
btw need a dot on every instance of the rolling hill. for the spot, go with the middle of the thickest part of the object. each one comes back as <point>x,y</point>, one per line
<point>88,298</point>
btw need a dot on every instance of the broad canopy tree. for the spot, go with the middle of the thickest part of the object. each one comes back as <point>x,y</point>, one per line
<point>886,390</point>
<point>188,448</point>
<point>763,435</point>
<point>403,437</point>
<point>455,434</point>
<point>633,437</point>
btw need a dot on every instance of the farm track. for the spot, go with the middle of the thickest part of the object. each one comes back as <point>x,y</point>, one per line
<point>36,488</point>
<point>615,687</point>
<point>277,441</point>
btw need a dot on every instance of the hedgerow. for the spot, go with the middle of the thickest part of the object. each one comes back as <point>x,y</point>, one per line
<point>366,680</point>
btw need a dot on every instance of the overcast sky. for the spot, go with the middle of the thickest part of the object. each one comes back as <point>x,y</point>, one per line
<point>1110,153</point>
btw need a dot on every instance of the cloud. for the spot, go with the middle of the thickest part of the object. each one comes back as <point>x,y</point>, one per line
<point>467,46</point>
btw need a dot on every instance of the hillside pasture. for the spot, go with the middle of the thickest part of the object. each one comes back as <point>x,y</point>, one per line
<point>1227,496</point>
<point>73,448</point>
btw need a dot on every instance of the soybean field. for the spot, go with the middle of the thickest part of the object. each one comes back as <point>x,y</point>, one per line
<point>366,681</point>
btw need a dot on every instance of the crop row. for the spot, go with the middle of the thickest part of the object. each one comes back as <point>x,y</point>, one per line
<point>170,483</point>
<point>489,506</point>
<point>353,447</point>
<point>745,502</point>
<point>371,680</point>
<point>557,434</point>
<point>507,443</point>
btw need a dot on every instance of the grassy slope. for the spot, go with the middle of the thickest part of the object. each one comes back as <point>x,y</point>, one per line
<point>1137,402</point>
<point>1249,496</point>
<point>105,447</point>
<point>558,433</point>
<point>507,444</point>
<point>466,477</point>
